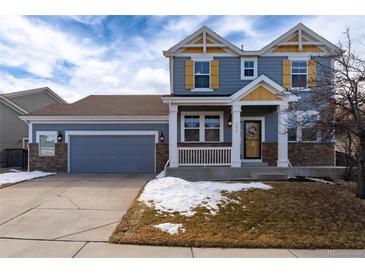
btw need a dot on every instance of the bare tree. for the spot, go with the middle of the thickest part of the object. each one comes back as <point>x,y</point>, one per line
<point>339,97</point>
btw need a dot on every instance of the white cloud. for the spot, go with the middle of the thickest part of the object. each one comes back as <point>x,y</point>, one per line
<point>132,67</point>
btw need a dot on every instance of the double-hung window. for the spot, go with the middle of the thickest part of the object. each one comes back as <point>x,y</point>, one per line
<point>202,127</point>
<point>249,68</point>
<point>302,126</point>
<point>212,128</point>
<point>46,142</point>
<point>299,73</point>
<point>202,74</point>
<point>192,128</point>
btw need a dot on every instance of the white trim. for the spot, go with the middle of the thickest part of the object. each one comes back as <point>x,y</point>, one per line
<point>201,115</point>
<point>12,105</point>
<point>218,54</point>
<point>263,137</point>
<point>97,119</point>
<point>39,133</point>
<point>202,59</point>
<point>299,115</point>
<point>173,50</point>
<point>69,133</point>
<point>30,132</point>
<point>37,90</point>
<point>23,142</point>
<point>243,59</point>
<point>291,73</point>
<point>52,133</point>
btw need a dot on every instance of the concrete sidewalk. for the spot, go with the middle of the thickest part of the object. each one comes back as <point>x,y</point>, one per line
<point>73,215</point>
<point>15,248</point>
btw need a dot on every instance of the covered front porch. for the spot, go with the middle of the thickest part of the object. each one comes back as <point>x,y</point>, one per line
<point>230,131</point>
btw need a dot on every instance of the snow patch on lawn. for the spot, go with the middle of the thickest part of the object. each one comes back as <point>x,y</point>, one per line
<point>170,228</point>
<point>319,180</point>
<point>171,194</point>
<point>19,176</point>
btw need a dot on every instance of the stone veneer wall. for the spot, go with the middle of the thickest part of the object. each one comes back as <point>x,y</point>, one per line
<point>162,155</point>
<point>302,154</point>
<point>57,163</point>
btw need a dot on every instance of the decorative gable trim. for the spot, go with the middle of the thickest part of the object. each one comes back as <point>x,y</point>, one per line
<point>192,44</point>
<point>301,36</point>
<point>261,93</point>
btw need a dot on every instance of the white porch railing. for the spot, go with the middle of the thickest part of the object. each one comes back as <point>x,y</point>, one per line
<point>204,156</point>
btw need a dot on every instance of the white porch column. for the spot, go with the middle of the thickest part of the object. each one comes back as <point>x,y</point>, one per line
<point>283,136</point>
<point>236,137</point>
<point>173,157</point>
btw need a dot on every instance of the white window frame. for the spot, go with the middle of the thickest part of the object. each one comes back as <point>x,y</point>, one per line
<point>291,72</point>
<point>23,142</point>
<point>243,60</point>
<point>202,125</point>
<point>202,59</point>
<point>38,134</point>
<point>300,115</point>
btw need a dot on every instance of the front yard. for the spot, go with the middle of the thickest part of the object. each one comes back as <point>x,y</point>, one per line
<point>172,211</point>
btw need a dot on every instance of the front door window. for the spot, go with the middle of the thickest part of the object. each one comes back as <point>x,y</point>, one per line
<point>252,140</point>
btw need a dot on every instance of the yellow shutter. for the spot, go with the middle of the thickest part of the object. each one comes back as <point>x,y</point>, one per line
<point>312,71</point>
<point>287,73</point>
<point>214,74</point>
<point>189,74</point>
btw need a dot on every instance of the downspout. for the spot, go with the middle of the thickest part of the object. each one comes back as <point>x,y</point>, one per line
<point>29,140</point>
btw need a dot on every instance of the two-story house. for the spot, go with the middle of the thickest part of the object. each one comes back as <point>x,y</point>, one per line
<point>227,107</point>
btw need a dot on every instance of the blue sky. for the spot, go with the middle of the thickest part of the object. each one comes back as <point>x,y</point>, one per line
<point>81,55</point>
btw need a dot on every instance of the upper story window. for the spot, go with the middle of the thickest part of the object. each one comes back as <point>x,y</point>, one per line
<point>299,73</point>
<point>46,142</point>
<point>202,74</point>
<point>248,68</point>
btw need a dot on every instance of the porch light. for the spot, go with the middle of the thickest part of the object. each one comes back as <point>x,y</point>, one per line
<point>229,123</point>
<point>162,138</point>
<point>59,137</point>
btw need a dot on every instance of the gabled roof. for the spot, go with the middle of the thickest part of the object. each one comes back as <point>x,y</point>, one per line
<point>33,91</point>
<point>300,28</point>
<point>203,30</point>
<point>273,87</point>
<point>12,105</point>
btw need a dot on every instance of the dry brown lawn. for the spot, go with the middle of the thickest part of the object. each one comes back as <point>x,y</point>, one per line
<point>291,215</point>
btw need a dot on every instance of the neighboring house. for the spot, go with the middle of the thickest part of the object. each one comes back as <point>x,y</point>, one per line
<point>13,131</point>
<point>226,108</point>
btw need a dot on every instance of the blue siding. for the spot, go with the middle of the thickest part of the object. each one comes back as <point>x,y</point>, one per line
<point>112,154</point>
<point>271,120</point>
<point>271,67</point>
<point>63,127</point>
<point>229,74</point>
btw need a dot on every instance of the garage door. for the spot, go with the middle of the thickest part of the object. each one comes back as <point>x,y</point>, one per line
<point>112,153</point>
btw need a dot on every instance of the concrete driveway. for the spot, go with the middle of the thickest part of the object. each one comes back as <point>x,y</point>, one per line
<point>55,216</point>
<point>73,215</point>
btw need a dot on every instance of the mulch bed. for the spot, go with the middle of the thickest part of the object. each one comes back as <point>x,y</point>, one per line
<point>291,215</point>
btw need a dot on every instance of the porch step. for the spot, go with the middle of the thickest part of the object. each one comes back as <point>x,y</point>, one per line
<point>271,176</point>
<point>253,164</point>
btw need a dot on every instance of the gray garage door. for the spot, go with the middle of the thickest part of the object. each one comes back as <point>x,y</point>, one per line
<point>112,154</point>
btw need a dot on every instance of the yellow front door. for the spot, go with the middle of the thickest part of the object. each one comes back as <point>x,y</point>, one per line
<point>252,140</point>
